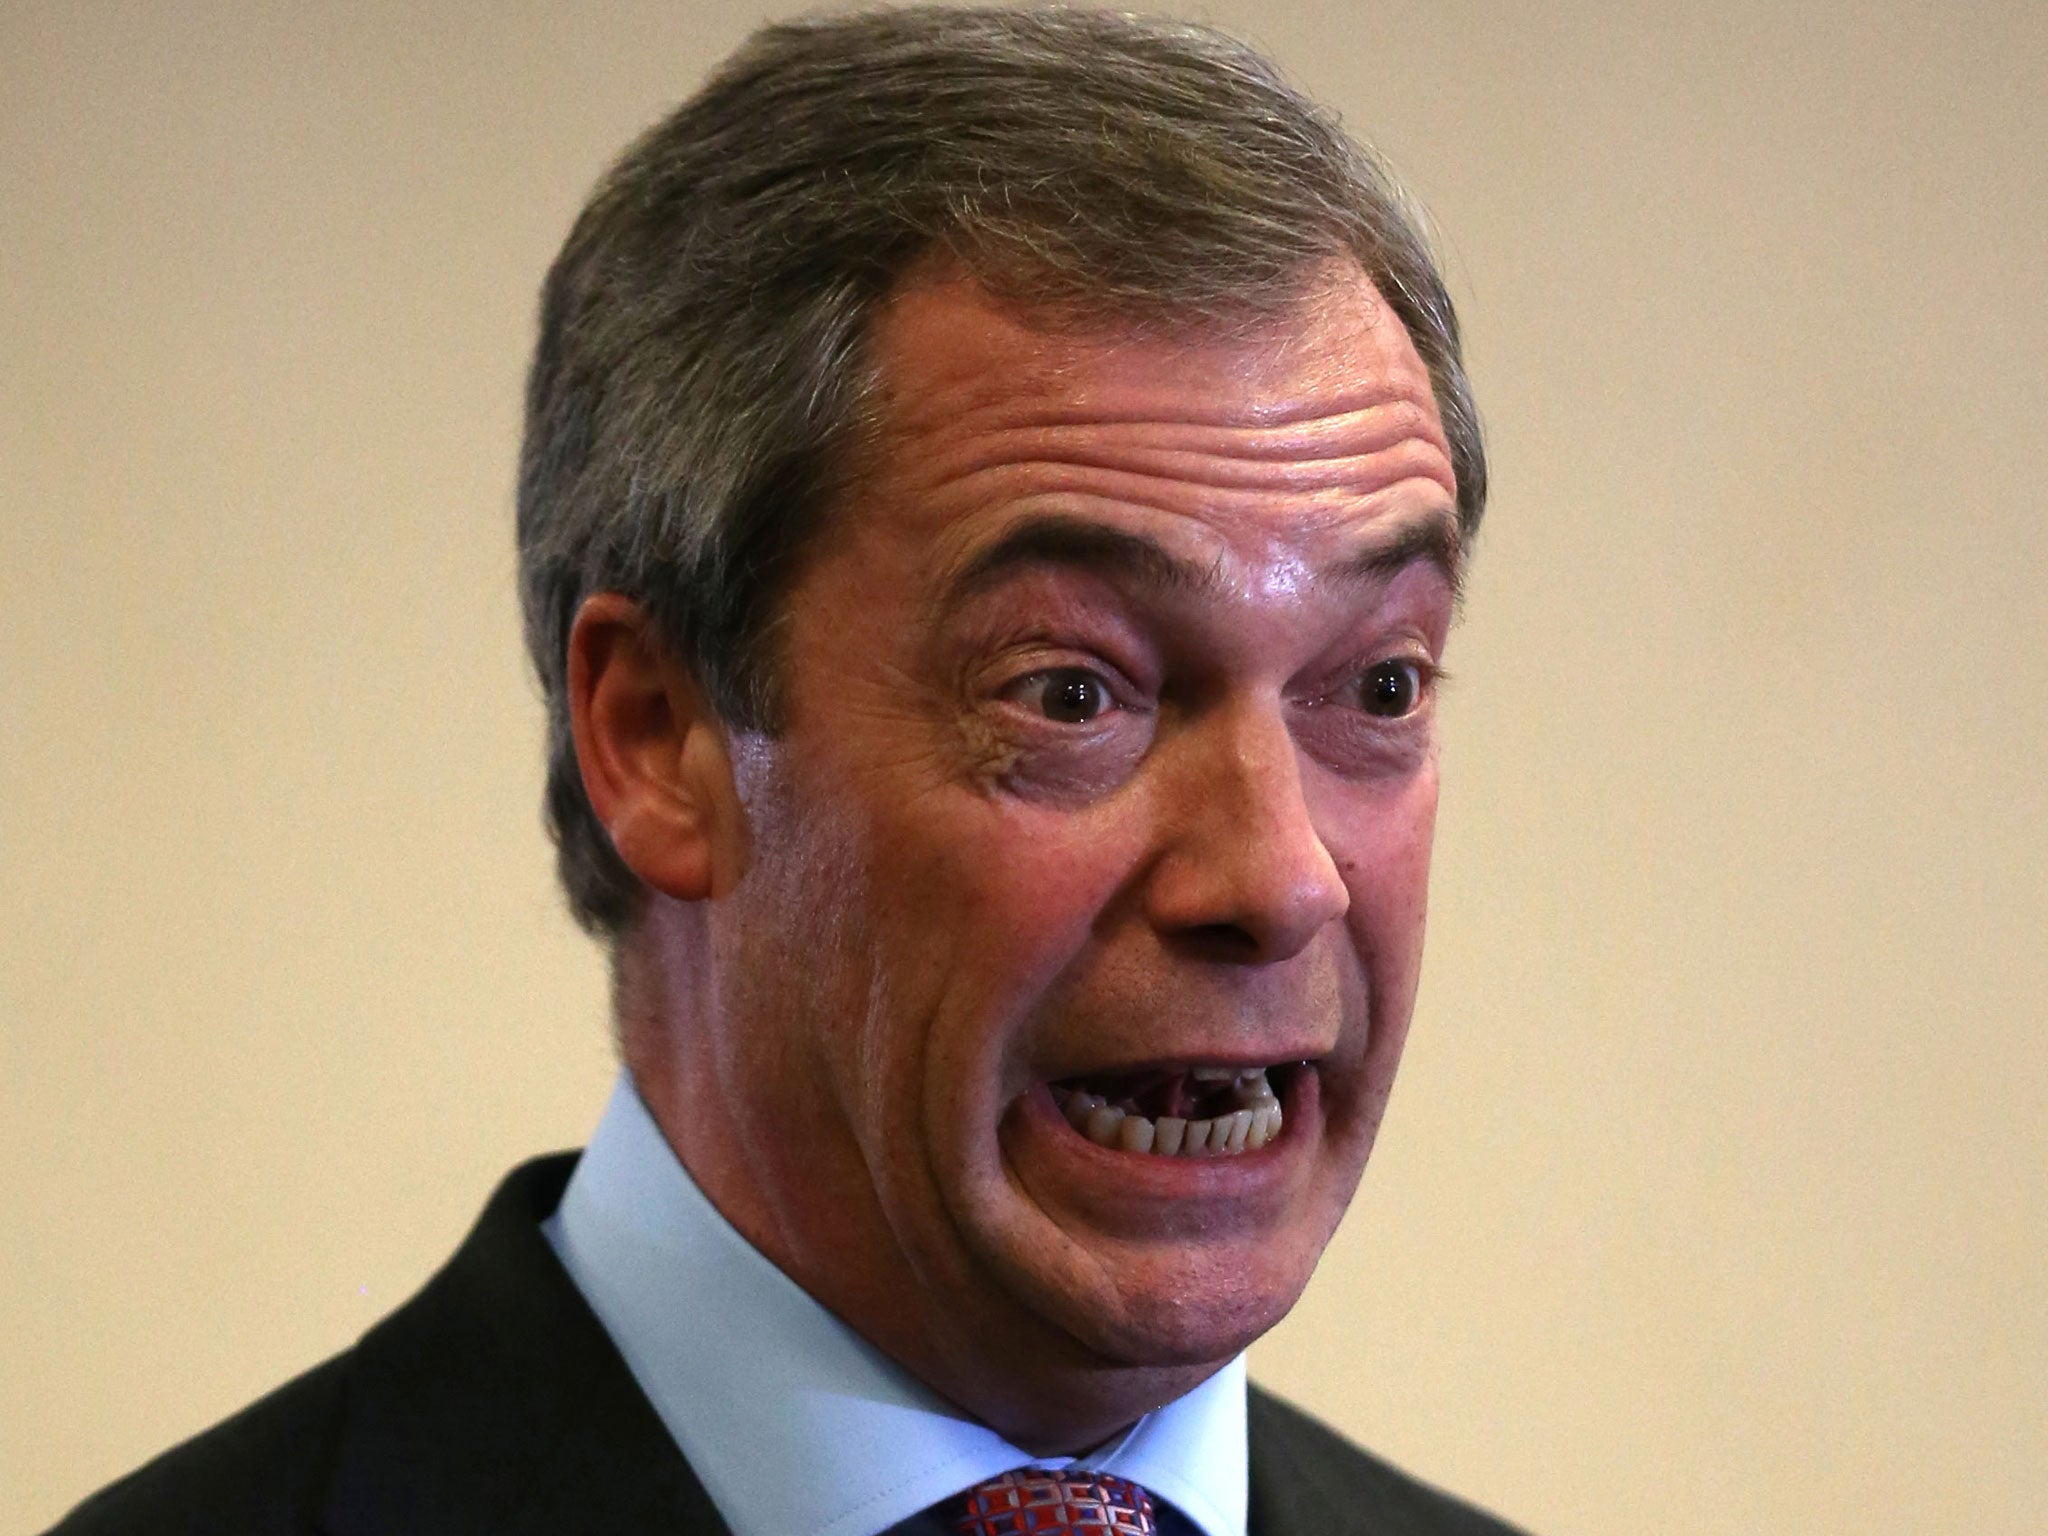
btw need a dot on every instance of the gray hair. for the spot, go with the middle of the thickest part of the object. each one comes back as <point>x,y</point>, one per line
<point>698,382</point>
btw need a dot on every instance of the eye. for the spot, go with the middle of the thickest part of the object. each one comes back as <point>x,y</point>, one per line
<point>1392,689</point>
<point>1064,695</point>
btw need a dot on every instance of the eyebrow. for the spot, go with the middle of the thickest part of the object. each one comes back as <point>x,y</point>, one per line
<point>1434,539</point>
<point>1059,539</point>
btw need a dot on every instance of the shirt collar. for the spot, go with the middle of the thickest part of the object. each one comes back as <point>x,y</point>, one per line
<point>750,1373</point>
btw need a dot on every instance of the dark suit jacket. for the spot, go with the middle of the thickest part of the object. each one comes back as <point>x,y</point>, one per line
<point>493,1402</point>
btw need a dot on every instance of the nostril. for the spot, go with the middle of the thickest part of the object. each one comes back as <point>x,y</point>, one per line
<point>1219,941</point>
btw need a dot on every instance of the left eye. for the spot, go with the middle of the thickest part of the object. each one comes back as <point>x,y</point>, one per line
<point>1392,689</point>
<point>1067,695</point>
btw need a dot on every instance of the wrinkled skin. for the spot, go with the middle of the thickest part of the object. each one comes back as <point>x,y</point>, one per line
<point>1088,810</point>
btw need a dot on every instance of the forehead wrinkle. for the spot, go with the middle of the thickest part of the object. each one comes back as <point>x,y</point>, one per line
<point>1355,425</point>
<point>1356,442</point>
<point>1263,510</point>
<point>1055,399</point>
<point>1361,468</point>
<point>1273,446</point>
<point>1170,397</point>
<point>1358,475</point>
<point>1297,362</point>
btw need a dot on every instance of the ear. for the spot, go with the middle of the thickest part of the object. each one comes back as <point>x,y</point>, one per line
<point>652,753</point>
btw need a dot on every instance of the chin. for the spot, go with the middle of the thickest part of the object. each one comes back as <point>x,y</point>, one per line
<point>1176,1310</point>
<point>1186,1332</point>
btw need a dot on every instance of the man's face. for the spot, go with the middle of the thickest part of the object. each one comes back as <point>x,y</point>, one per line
<point>1110,768</point>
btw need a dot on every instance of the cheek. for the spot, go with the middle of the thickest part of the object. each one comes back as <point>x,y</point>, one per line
<point>1384,859</point>
<point>1000,901</point>
<point>1385,864</point>
<point>1033,881</point>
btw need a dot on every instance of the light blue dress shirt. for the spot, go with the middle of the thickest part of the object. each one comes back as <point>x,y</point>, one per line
<point>795,1424</point>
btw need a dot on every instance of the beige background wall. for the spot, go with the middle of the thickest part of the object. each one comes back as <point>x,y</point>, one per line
<point>1715,1196</point>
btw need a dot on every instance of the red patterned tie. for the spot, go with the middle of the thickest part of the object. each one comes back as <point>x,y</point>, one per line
<point>1054,1503</point>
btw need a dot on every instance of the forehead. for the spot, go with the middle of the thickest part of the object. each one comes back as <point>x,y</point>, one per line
<point>1239,451</point>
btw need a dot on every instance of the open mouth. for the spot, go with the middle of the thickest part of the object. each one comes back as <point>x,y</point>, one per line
<point>1179,1112</point>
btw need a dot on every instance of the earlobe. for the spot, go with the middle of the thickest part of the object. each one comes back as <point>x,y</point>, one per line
<point>652,754</point>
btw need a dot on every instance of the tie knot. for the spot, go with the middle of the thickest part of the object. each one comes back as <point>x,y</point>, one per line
<point>1051,1503</point>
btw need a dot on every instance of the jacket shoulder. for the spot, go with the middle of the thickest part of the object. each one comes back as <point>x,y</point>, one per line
<point>260,1473</point>
<point>1306,1478</point>
<point>490,1403</point>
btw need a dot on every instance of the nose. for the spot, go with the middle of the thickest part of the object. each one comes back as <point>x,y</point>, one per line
<point>1243,873</point>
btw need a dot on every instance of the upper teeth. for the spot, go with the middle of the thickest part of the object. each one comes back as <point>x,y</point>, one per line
<point>1255,1121</point>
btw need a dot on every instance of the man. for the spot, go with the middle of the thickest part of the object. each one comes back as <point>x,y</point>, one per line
<point>994,495</point>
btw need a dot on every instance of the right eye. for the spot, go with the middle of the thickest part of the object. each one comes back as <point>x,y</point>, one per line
<point>1063,695</point>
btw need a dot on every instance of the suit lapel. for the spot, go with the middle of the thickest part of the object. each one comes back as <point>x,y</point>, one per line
<point>494,1402</point>
<point>1290,1485</point>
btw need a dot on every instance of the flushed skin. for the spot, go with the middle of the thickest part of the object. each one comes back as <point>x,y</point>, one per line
<point>1064,812</point>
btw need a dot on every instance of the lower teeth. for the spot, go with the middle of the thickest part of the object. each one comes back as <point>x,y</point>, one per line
<point>1254,1121</point>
